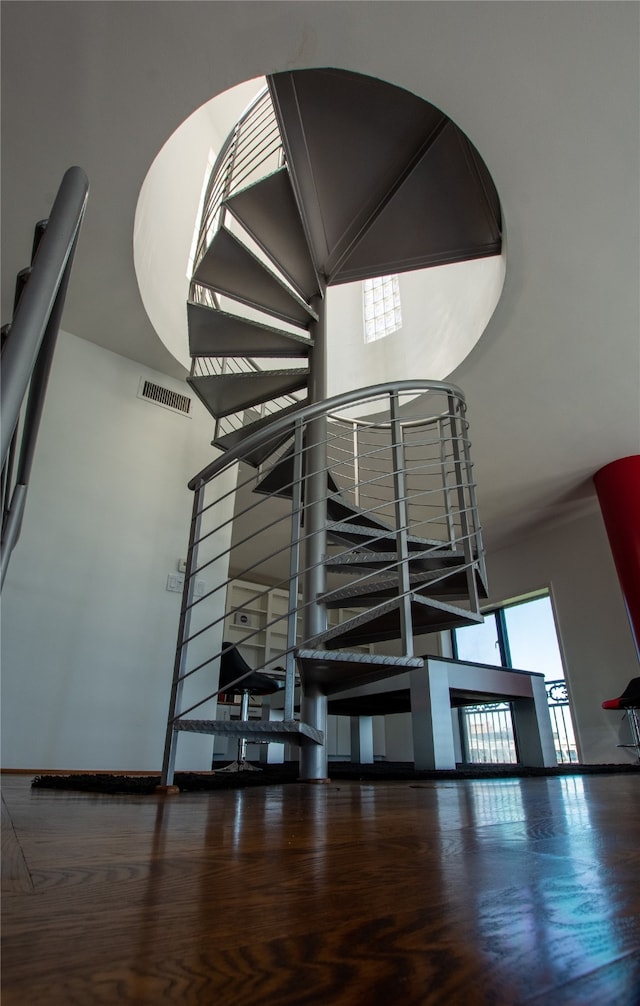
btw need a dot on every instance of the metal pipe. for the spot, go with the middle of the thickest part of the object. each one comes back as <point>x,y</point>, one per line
<point>319,408</point>
<point>402,523</point>
<point>30,321</point>
<point>169,758</point>
<point>11,529</point>
<point>40,379</point>
<point>313,707</point>
<point>294,573</point>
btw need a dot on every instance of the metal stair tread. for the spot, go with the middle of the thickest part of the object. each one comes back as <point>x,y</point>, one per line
<point>268,212</point>
<point>289,731</point>
<point>450,583</point>
<point>230,268</point>
<point>213,332</point>
<point>258,455</point>
<point>425,560</point>
<point>382,622</point>
<point>224,394</point>
<point>336,670</point>
<point>364,538</point>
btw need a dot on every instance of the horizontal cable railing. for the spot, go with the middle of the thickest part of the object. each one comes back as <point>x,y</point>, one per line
<point>252,150</point>
<point>248,528</point>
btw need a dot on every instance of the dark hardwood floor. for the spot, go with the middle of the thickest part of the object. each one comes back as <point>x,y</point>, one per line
<point>469,892</point>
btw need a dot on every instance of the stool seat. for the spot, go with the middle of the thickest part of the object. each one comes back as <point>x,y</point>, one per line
<point>630,698</point>
<point>629,703</point>
<point>233,665</point>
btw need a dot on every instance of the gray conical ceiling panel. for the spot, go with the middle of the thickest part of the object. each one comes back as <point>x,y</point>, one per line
<point>347,138</point>
<point>352,143</point>
<point>441,213</point>
<point>218,333</point>
<point>268,212</point>
<point>225,394</point>
<point>230,268</point>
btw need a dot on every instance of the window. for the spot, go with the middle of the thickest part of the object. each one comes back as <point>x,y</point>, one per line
<point>521,635</point>
<point>381,307</point>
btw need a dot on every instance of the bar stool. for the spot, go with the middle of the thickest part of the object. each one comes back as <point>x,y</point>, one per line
<point>232,666</point>
<point>629,702</point>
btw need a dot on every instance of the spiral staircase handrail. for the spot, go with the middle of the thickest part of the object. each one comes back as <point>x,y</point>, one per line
<point>220,183</point>
<point>314,411</point>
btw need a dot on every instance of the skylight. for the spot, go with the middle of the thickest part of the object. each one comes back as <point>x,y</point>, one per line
<point>381,307</point>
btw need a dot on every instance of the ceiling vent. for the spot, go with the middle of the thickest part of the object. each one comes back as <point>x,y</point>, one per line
<point>165,397</point>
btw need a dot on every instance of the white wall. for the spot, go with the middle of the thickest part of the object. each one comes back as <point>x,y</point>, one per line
<point>574,560</point>
<point>89,629</point>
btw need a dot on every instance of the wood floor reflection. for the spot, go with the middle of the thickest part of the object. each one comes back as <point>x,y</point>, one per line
<point>471,892</point>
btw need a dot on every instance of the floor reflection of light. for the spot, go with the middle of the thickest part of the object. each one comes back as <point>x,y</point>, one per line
<point>238,817</point>
<point>525,858</point>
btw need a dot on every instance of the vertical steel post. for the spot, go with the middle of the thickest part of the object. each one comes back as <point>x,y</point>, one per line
<point>313,758</point>
<point>458,438</point>
<point>445,484</point>
<point>294,572</point>
<point>473,500</point>
<point>180,661</point>
<point>402,525</point>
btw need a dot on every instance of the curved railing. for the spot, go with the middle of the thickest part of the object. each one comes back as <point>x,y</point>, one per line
<point>252,150</point>
<point>27,350</point>
<point>396,465</point>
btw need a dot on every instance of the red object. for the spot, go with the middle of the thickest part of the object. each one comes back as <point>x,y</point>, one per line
<point>630,698</point>
<point>618,489</point>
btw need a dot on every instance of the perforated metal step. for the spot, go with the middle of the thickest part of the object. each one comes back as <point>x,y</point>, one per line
<point>274,731</point>
<point>451,584</point>
<point>383,622</point>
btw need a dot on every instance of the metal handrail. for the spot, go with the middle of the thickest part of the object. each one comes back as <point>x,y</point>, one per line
<point>395,472</point>
<point>307,412</point>
<point>27,354</point>
<point>227,175</point>
<point>36,305</point>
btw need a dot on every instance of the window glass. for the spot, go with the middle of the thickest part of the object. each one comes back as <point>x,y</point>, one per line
<point>479,643</point>
<point>532,638</point>
<point>381,307</point>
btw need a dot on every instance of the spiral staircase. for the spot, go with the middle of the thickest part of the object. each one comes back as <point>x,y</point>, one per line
<point>364,503</point>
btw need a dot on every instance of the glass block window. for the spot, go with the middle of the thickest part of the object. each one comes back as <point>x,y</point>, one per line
<point>381,307</point>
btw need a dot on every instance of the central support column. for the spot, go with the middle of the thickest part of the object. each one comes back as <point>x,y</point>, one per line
<point>313,709</point>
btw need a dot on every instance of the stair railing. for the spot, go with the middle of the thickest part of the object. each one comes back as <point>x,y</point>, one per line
<point>251,528</point>
<point>252,149</point>
<point>27,352</point>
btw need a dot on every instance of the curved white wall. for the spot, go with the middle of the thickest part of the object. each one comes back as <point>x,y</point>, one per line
<point>167,209</point>
<point>445,310</point>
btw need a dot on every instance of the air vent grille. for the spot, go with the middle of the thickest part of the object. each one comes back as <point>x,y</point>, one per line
<point>165,397</point>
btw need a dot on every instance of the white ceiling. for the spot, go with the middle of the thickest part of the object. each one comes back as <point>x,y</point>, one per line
<point>550,95</point>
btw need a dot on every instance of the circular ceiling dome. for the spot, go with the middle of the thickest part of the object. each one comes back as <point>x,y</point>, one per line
<point>394,187</point>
